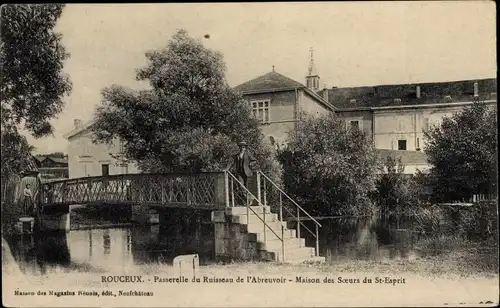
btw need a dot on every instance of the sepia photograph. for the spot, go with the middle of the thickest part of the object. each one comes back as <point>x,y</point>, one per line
<point>279,154</point>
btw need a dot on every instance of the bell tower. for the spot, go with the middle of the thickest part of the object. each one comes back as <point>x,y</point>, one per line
<point>312,79</point>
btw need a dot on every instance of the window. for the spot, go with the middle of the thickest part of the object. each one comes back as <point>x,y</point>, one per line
<point>354,124</point>
<point>105,169</point>
<point>402,145</point>
<point>260,110</point>
<point>418,144</point>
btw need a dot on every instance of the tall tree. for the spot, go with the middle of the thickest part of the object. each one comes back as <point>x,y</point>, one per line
<point>32,56</point>
<point>329,168</point>
<point>463,154</point>
<point>33,84</point>
<point>32,87</point>
<point>190,119</point>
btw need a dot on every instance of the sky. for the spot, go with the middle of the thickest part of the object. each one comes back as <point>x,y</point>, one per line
<point>355,44</point>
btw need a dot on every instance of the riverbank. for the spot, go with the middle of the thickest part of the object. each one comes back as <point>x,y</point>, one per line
<point>328,285</point>
<point>450,278</point>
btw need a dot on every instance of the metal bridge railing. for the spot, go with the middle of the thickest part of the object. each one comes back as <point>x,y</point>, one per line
<point>200,190</point>
<point>287,206</point>
<point>242,194</point>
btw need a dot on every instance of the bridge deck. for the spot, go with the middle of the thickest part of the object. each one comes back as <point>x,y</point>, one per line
<point>203,190</point>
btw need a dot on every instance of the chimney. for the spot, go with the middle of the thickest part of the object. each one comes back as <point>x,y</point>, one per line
<point>325,93</point>
<point>78,123</point>
<point>418,91</point>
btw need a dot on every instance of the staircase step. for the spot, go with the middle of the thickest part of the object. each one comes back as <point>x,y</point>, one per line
<point>240,210</point>
<point>291,255</point>
<point>290,243</point>
<point>254,219</point>
<point>258,226</point>
<point>258,235</point>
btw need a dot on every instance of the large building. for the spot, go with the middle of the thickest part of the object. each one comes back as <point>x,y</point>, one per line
<point>394,116</point>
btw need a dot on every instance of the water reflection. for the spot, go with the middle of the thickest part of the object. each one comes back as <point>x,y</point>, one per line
<point>365,239</point>
<point>120,248</point>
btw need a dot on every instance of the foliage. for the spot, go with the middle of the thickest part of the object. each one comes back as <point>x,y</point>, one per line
<point>395,192</point>
<point>463,154</point>
<point>16,154</point>
<point>189,121</point>
<point>329,168</point>
<point>32,58</point>
<point>32,87</point>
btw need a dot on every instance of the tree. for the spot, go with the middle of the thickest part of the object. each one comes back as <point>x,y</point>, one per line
<point>32,58</point>
<point>189,121</point>
<point>329,168</point>
<point>32,87</point>
<point>463,154</point>
<point>33,83</point>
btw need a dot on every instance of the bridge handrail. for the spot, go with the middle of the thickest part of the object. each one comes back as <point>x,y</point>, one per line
<point>260,203</point>
<point>289,198</point>
<point>130,175</point>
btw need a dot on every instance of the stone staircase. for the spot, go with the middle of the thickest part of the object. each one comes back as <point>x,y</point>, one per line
<point>239,238</point>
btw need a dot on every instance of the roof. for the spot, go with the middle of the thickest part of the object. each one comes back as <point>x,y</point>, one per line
<point>269,81</point>
<point>273,81</point>
<point>406,94</point>
<point>407,157</point>
<point>79,129</point>
<point>60,160</point>
<point>30,168</point>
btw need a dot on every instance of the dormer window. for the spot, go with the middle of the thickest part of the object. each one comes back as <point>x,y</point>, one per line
<point>352,101</point>
<point>447,97</point>
<point>397,100</point>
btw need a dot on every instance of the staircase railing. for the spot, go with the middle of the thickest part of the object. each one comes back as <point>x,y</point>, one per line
<point>282,207</point>
<point>231,179</point>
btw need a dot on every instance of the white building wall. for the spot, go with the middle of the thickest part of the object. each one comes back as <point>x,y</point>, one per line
<point>86,158</point>
<point>407,124</point>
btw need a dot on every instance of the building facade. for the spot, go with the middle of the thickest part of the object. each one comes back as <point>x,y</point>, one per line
<point>278,102</point>
<point>396,123</point>
<point>52,167</point>
<point>86,158</point>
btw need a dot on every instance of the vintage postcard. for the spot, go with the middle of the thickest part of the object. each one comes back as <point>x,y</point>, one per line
<point>326,154</point>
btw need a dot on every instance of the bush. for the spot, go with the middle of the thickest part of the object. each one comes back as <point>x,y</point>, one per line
<point>395,192</point>
<point>329,168</point>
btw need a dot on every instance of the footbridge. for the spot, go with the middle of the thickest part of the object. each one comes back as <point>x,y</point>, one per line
<point>203,191</point>
<point>250,223</point>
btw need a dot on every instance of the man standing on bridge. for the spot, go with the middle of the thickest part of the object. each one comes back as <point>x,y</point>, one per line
<point>28,200</point>
<point>244,161</point>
